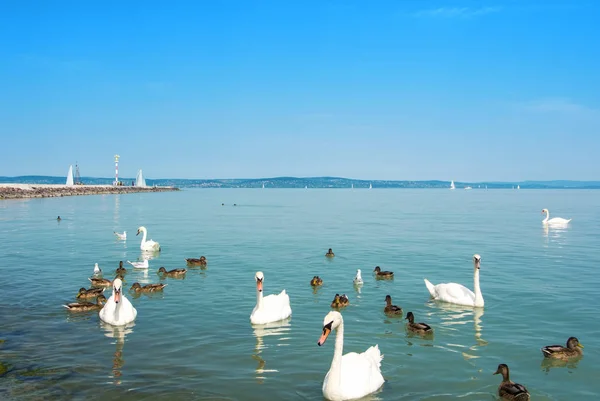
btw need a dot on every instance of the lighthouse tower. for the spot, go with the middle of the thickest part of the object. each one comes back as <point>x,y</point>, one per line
<point>116,170</point>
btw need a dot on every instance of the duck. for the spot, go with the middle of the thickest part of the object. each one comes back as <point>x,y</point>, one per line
<point>391,309</point>
<point>100,282</point>
<point>120,236</point>
<point>91,293</point>
<point>118,310</point>
<point>147,288</point>
<point>340,301</point>
<point>172,273</point>
<point>121,270</point>
<point>139,265</point>
<point>457,293</point>
<point>383,274</point>
<point>573,349</point>
<point>196,262</point>
<point>273,307</point>
<point>147,245</point>
<point>344,301</point>
<point>316,281</point>
<point>358,278</point>
<point>97,270</point>
<point>330,253</point>
<point>509,390</point>
<point>87,306</point>
<point>352,375</point>
<point>421,328</point>
<point>555,220</point>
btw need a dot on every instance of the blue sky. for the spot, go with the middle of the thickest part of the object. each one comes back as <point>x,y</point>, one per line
<point>477,90</point>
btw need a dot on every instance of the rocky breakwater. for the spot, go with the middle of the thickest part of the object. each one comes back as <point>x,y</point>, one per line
<point>20,191</point>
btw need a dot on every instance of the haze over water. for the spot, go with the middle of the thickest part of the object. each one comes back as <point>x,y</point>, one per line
<point>195,341</point>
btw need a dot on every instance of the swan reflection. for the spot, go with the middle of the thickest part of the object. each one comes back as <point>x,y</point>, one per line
<point>118,333</point>
<point>555,232</point>
<point>148,255</point>
<point>280,330</point>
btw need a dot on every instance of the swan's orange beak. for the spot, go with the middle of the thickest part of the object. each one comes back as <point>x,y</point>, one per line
<point>117,295</point>
<point>326,331</point>
<point>259,285</point>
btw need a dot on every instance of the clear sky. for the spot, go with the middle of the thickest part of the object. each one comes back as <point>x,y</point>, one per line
<point>463,90</point>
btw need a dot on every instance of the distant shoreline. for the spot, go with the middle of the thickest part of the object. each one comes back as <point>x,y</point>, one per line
<point>24,191</point>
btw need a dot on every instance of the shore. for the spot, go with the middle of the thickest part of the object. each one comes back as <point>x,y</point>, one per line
<point>20,191</point>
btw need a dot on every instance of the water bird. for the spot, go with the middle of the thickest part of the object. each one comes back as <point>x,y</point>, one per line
<point>555,220</point>
<point>457,293</point>
<point>147,288</point>
<point>340,301</point>
<point>573,349</point>
<point>100,282</point>
<point>58,218</point>
<point>352,375</point>
<point>271,308</point>
<point>196,262</point>
<point>147,245</point>
<point>118,310</point>
<point>316,281</point>
<point>121,270</point>
<point>330,253</point>
<point>421,328</point>
<point>97,270</point>
<point>86,306</point>
<point>139,265</point>
<point>509,390</point>
<point>172,273</point>
<point>91,293</point>
<point>391,309</point>
<point>382,274</point>
<point>358,278</point>
<point>121,236</point>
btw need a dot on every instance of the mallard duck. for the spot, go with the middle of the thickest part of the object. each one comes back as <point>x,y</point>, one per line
<point>391,309</point>
<point>572,349</point>
<point>330,253</point>
<point>91,293</point>
<point>422,328</point>
<point>383,274</point>
<point>344,301</point>
<point>316,281</point>
<point>508,389</point>
<point>339,301</point>
<point>172,273</point>
<point>86,306</point>
<point>196,262</point>
<point>121,270</point>
<point>147,288</point>
<point>100,282</point>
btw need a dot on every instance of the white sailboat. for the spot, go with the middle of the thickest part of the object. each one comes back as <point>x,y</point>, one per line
<point>370,186</point>
<point>352,186</point>
<point>452,185</point>
<point>139,180</point>
<point>263,185</point>
<point>518,187</point>
<point>70,176</point>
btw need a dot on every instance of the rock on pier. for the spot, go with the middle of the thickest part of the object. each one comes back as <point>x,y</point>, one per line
<point>19,191</point>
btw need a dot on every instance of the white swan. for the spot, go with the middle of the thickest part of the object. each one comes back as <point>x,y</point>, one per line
<point>97,270</point>
<point>555,220</point>
<point>352,375</point>
<point>358,279</point>
<point>139,265</point>
<point>118,311</point>
<point>147,245</point>
<point>121,236</point>
<point>271,308</point>
<point>457,293</point>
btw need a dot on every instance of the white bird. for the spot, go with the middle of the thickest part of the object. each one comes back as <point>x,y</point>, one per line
<point>271,308</point>
<point>555,220</point>
<point>352,375</point>
<point>358,279</point>
<point>121,236</point>
<point>457,293</point>
<point>118,311</point>
<point>139,265</point>
<point>97,270</point>
<point>147,245</point>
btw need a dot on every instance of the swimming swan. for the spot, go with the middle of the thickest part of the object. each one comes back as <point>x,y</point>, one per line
<point>147,245</point>
<point>352,375</point>
<point>457,293</point>
<point>271,308</point>
<point>118,311</point>
<point>555,220</point>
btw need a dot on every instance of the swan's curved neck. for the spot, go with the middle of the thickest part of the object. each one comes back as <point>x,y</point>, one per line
<point>259,298</point>
<point>547,216</point>
<point>335,371</point>
<point>477,289</point>
<point>144,233</point>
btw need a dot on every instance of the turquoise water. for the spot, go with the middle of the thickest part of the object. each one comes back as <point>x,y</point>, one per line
<point>195,341</point>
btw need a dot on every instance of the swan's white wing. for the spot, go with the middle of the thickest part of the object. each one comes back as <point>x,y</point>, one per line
<point>274,307</point>
<point>118,315</point>
<point>454,293</point>
<point>361,374</point>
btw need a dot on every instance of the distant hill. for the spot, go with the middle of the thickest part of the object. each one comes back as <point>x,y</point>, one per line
<point>311,182</point>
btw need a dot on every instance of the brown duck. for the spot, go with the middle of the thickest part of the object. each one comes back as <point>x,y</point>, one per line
<point>573,349</point>
<point>121,270</point>
<point>196,262</point>
<point>147,288</point>
<point>383,274</point>
<point>103,282</point>
<point>172,273</point>
<point>421,328</point>
<point>91,293</point>
<point>340,301</point>
<point>509,390</point>
<point>86,306</point>
<point>330,253</point>
<point>391,309</point>
<point>316,281</point>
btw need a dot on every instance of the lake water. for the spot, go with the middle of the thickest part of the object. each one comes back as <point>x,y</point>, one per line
<point>195,341</point>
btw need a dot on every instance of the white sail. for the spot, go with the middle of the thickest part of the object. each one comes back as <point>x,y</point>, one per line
<point>70,176</point>
<point>370,186</point>
<point>452,185</point>
<point>139,180</point>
